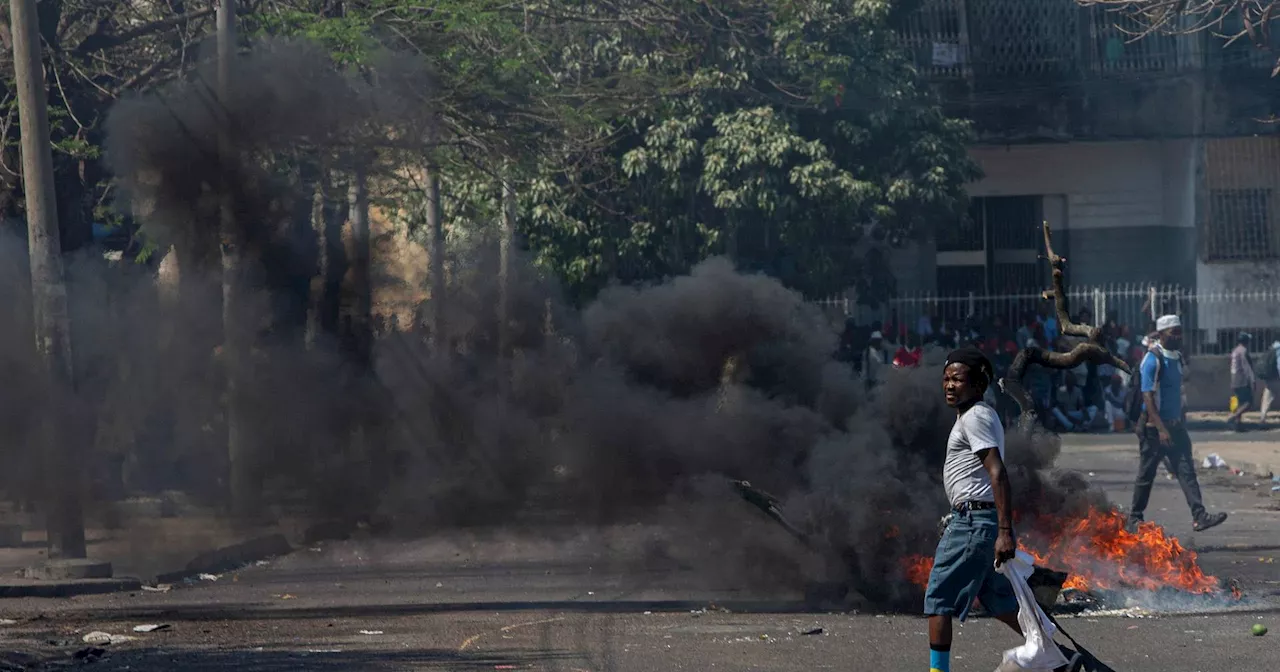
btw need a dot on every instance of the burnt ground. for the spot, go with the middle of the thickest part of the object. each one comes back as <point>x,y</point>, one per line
<point>583,603</point>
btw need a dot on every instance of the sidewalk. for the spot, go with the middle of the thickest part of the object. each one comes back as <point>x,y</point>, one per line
<point>1255,451</point>
<point>1259,458</point>
<point>1209,421</point>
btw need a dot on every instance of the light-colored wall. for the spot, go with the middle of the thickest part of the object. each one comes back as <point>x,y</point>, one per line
<point>1106,184</point>
<point>1241,163</point>
<point>1121,211</point>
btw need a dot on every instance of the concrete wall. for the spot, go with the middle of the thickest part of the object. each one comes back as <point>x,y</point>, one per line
<point>1209,383</point>
<point>1242,163</point>
<point>1121,211</point>
<point>913,266</point>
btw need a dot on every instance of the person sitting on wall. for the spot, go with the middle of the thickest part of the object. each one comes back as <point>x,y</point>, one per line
<point>1071,410</point>
<point>1115,396</point>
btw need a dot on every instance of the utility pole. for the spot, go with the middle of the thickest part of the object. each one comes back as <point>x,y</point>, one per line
<point>65,517</point>
<point>243,491</point>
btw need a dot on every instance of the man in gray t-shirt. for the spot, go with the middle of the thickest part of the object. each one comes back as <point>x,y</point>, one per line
<point>964,476</point>
<point>979,534</point>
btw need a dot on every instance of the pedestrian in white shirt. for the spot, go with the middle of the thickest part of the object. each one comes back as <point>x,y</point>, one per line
<point>1269,374</point>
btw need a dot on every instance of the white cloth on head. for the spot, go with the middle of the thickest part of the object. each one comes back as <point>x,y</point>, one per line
<point>1038,652</point>
<point>1168,322</point>
<point>876,334</point>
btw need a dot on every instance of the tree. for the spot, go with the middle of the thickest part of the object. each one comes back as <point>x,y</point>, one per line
<point>97,52</point>
<point>644,137</point>
<point>793,137</point>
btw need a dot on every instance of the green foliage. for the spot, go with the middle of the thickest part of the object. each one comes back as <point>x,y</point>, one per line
<point>791,136</point>
<point>643,136</point>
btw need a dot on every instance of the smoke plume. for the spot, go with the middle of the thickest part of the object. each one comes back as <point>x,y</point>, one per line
<point>641,405</point>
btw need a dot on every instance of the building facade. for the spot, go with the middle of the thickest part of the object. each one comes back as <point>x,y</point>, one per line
<point>1156,160</point>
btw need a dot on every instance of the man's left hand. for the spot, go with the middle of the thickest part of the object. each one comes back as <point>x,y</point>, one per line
<point>1006,547</point>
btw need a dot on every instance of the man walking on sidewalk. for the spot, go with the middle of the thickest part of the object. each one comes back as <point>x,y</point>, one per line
<point>1269,374</point>
<point>1242,380</point>
<point>1164,434</point>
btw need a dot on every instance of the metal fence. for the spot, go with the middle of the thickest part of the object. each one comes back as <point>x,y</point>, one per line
<point>1211,319</point>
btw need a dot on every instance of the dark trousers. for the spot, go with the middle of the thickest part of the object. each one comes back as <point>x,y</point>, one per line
<point>1183,466</point>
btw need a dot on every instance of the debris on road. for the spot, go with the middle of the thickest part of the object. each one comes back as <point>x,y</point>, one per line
<point>8,621</point>
<point>208,577</point>
<point>90,654</point>
<point>98,638</point>
<point>158,588</point>
<point>1130,612</point>
<point>1214,461</point>
<point>150,627</point>
<point>371,632</point>
<point>815,631</point>
<point>1259,629</point>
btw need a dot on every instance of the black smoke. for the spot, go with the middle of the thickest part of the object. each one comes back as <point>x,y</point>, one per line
<point>640,406</point>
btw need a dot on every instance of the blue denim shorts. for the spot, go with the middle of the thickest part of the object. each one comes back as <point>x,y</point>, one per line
<point>964,569</point>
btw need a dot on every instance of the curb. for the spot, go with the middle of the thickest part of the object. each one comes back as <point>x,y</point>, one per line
<point>34,588</point>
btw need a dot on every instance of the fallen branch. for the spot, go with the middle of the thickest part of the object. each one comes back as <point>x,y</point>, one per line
<point>770,506</point>
<point>1091,350</point>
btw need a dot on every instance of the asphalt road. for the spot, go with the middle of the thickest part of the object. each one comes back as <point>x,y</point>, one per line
<point>584,603</point>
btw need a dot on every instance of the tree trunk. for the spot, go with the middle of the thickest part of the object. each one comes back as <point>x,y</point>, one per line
<point>319,225</point>
<point>65,481</point>
<point>436,224</point>
<point>505,250</point>
<point>357,308</point>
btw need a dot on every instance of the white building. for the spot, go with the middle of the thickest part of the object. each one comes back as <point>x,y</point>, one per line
<point>1151,160</point>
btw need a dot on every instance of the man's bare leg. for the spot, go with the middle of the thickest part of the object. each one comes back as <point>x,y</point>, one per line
<point>940,642</point>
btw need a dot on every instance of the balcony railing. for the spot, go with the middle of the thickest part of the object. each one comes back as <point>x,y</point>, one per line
<point>992,39</point>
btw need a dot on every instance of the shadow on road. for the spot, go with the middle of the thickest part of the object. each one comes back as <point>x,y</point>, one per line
<point>271,660</point>
<point>257,611</point>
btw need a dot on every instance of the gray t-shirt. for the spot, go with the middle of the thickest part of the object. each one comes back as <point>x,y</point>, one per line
<point>963,473</point>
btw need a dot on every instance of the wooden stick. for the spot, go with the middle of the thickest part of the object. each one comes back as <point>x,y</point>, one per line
<point>1091,350</point>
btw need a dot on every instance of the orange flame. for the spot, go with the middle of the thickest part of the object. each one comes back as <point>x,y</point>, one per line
<point>1099,553</point>
<point>916,568</point>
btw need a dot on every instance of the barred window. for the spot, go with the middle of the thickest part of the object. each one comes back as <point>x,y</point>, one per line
<point>1239,225</point>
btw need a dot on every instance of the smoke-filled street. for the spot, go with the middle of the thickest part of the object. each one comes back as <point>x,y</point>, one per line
<point>600,600</point>
<point>639,335</point>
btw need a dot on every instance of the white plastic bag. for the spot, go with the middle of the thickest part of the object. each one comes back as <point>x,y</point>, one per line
<point>1039,652</point>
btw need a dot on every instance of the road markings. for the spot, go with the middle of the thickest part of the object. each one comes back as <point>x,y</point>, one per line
<point>466,643</point>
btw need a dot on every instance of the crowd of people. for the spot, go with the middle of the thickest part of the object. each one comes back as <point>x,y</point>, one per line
<point>1089,398</point>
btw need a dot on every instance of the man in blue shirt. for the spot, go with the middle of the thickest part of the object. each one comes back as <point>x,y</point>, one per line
<point>1164,434</point>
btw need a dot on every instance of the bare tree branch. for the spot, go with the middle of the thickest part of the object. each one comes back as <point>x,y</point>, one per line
<point>1090,350</point>
<point>101,41</point>
<point>1183,17</point>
